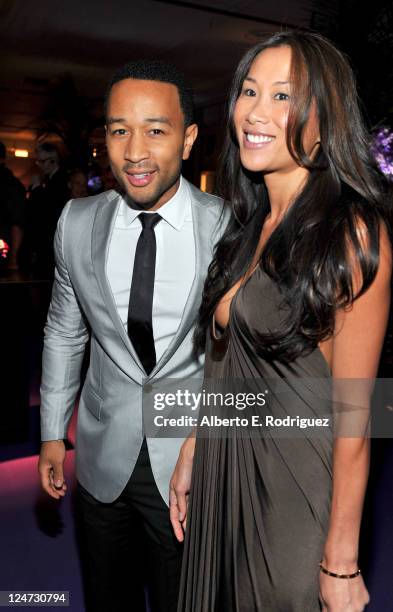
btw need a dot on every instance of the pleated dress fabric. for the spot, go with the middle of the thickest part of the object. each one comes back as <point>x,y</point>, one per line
<point>259,504</point>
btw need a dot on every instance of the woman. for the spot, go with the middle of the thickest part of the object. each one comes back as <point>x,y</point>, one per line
<point>298,290</point>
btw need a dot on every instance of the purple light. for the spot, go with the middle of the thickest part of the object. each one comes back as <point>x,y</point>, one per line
<point>382,150</point>
<point>95,183</point>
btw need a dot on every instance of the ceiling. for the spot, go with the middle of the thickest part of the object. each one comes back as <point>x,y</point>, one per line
<point>42,40</point>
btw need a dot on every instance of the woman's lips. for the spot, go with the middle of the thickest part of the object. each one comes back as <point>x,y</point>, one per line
<point>140,179</point>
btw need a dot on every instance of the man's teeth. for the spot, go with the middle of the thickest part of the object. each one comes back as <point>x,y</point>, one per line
<point>258,138</point>
<point>141,176</point>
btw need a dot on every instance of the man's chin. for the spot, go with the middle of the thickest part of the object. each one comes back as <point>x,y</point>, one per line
<point>146,198</point>
<point>140,199</point>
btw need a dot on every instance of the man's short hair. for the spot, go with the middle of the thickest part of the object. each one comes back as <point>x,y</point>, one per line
<point>3,150</point>
<point>156,70</point>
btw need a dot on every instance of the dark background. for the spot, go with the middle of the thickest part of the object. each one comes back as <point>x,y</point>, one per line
<point>56,58</point>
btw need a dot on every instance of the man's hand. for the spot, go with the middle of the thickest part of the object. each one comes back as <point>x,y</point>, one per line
<point>50,467</point>
<point>179,488</point>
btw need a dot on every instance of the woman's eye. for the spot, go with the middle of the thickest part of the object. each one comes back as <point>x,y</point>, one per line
<point>249,92</point>
<point>281,96</point>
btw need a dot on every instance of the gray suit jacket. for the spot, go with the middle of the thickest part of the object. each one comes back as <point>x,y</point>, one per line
<point>109,429</point>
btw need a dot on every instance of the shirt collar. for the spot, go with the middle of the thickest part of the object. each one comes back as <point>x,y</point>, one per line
<point>174,211</point>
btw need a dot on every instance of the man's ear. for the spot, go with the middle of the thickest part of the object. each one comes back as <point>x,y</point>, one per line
<point>189,138</point>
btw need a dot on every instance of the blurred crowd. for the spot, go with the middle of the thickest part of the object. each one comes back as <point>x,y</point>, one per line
<point>28,218</point>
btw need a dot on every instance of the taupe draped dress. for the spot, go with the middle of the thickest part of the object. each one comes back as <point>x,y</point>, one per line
<point>259,504</point>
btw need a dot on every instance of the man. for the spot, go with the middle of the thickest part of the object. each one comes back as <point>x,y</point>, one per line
<point>12,211</point>
<point>130,268</point>
<point>55,177</point>
<point>46,203</point>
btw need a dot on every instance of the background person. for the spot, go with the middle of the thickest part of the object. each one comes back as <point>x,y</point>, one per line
<point>46,203</point>
<point>77,184</point>
<point>12,211</point>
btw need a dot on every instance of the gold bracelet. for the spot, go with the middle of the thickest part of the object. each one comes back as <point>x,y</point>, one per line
<point>334,575</point>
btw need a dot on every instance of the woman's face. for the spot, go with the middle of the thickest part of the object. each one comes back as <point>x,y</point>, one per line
<point>261,115</point>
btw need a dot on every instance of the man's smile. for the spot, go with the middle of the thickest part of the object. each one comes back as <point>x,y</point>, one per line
<point>140,179</point>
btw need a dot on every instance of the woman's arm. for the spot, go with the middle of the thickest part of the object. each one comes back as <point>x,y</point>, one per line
<point>357,344</point>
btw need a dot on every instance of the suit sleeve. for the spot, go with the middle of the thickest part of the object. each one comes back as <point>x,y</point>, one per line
<point>65,338</point>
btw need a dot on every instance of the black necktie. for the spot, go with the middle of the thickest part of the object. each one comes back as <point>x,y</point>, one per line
<point>139,323</point>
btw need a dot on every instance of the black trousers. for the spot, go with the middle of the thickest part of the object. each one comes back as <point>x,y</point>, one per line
<point>128,548</point>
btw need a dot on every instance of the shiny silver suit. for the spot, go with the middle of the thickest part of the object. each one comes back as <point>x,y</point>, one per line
<point>110,429</point>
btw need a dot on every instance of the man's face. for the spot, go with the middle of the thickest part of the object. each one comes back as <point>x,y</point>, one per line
<point>146,140</point>
<point>47,162</point>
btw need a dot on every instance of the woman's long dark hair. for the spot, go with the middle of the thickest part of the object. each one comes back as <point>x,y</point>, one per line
<point>310,254</point>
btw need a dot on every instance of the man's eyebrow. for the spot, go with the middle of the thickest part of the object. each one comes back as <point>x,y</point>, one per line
<point>158,120</point>
<point>165,120</point>
<point>111,120</point>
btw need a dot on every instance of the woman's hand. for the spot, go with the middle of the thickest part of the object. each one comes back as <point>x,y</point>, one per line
<point>342,595</point>
<point>179,488</point>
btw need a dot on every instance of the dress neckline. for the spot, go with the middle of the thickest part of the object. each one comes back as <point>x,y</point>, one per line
<point>226,328</point>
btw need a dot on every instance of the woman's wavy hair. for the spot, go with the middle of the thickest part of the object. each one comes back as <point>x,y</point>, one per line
<point>310,254</point>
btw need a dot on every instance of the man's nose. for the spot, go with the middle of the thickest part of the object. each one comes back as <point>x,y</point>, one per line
<point>136,149</point>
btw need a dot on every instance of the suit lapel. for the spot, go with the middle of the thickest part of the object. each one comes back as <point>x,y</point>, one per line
<point>102,231</point>
<point>202,228</point>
